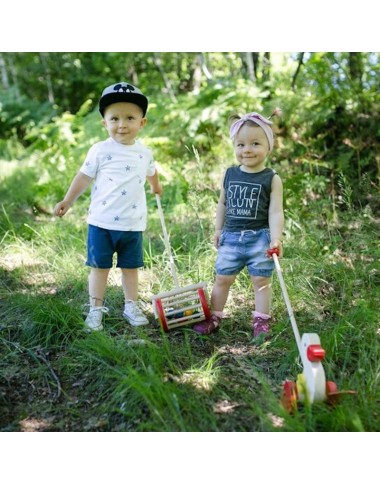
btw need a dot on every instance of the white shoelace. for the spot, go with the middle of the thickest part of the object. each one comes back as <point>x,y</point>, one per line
<point>103,309</point>
<point>134,309</point>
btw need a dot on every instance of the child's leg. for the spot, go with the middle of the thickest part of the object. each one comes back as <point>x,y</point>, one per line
<point>97,282</point>
<point>263,294</point>
<point>129,260</point>
<point>130,282</point>
<point>220,292</point>
<point>219,297</point>
<point>261,315</point>
<point>132,311</point>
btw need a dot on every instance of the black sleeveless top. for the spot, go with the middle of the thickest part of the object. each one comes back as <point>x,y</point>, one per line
<point>247,199</point>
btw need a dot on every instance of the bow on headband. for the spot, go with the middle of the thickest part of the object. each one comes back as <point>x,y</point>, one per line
<point>264,123</point>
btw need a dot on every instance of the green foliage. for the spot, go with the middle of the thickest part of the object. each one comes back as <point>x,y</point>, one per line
<point>333,118</point>
<point>330,122</point>
<point>19,114</point>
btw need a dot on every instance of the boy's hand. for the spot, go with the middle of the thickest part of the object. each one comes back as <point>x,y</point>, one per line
<point>157,189</point>
<point>61,208</point>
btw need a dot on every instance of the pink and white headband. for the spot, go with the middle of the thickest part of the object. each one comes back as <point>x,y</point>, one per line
<point>264,123</point>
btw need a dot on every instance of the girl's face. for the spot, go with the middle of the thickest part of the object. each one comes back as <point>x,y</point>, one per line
<point>251,148</point>
<point>123,121</point>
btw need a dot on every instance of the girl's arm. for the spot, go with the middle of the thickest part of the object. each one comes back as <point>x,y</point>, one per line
<point>220,215</point>
<point>276,213</point>
<point>78,186</point>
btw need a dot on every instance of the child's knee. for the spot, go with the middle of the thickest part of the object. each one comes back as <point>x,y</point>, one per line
<point>224,280</point>
<point>260,282</point>
<point>99,271</point>
<point>129,271</point>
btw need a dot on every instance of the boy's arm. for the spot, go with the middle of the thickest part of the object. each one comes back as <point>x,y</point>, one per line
<point>154,182</point>
<point>77,187</point>
<point>276,213</point>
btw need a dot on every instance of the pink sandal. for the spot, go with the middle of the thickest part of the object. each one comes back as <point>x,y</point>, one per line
<point>261,326</point>
<point>208,326</point>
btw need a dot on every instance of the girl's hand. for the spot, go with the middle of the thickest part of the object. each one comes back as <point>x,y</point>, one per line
<point>277,245</point>
<point>217,237</point>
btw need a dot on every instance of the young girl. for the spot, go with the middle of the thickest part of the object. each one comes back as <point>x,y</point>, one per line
<point>249,221</point>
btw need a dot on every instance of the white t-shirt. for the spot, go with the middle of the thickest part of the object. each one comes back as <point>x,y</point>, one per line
<point>118,198</point>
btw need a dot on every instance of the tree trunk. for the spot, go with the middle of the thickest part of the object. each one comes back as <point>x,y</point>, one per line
<point>256,58</point>
<point>266,67</point>
<point>205,70</point>
<point>168,84</point>
<point>49,84</point>
<point>13,71</point>
<point>132,74</point>
<point>250,66</point>
<point>300,63</point>
<point>197,76</point>
<point>355,65</point>
<point>4,72</point>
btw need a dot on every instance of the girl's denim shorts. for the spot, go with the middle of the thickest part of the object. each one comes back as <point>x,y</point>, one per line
<point>241,249</point>
<point>102,244</point>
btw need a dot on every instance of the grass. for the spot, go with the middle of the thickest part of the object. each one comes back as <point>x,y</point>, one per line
<point>56,377</point>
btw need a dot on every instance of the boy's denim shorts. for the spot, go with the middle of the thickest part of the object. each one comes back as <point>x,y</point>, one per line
<point>244,249</point>
<point>103,243</point>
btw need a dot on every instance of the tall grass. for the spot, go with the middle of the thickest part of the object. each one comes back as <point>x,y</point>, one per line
<point>141,379</point>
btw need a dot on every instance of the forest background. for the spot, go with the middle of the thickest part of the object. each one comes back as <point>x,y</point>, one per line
<point>54,377</point>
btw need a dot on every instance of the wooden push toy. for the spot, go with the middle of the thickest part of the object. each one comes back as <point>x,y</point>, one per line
<point>181,306</point>
<point>311,385</point>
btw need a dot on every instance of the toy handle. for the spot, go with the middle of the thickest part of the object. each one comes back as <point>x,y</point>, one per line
<point>166,241</point>
<point>273,251</point>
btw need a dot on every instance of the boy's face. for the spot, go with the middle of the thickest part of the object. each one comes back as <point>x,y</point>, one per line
<point>123,121</point>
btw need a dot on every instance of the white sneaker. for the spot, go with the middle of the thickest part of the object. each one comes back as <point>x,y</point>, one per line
<point>134,315</point>
<point>95,317</point>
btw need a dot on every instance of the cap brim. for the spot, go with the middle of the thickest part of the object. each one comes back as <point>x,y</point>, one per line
<point>134,98</point>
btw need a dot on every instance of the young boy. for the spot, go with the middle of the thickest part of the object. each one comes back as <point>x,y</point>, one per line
<point>119,167</point>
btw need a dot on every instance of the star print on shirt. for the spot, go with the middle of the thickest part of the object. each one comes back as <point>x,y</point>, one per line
<point>134,206</point>
<point>124,192</point>
<point>116,218</point>
<point>109,157</point>
<point>104,202</point>
<point>128,168</point>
